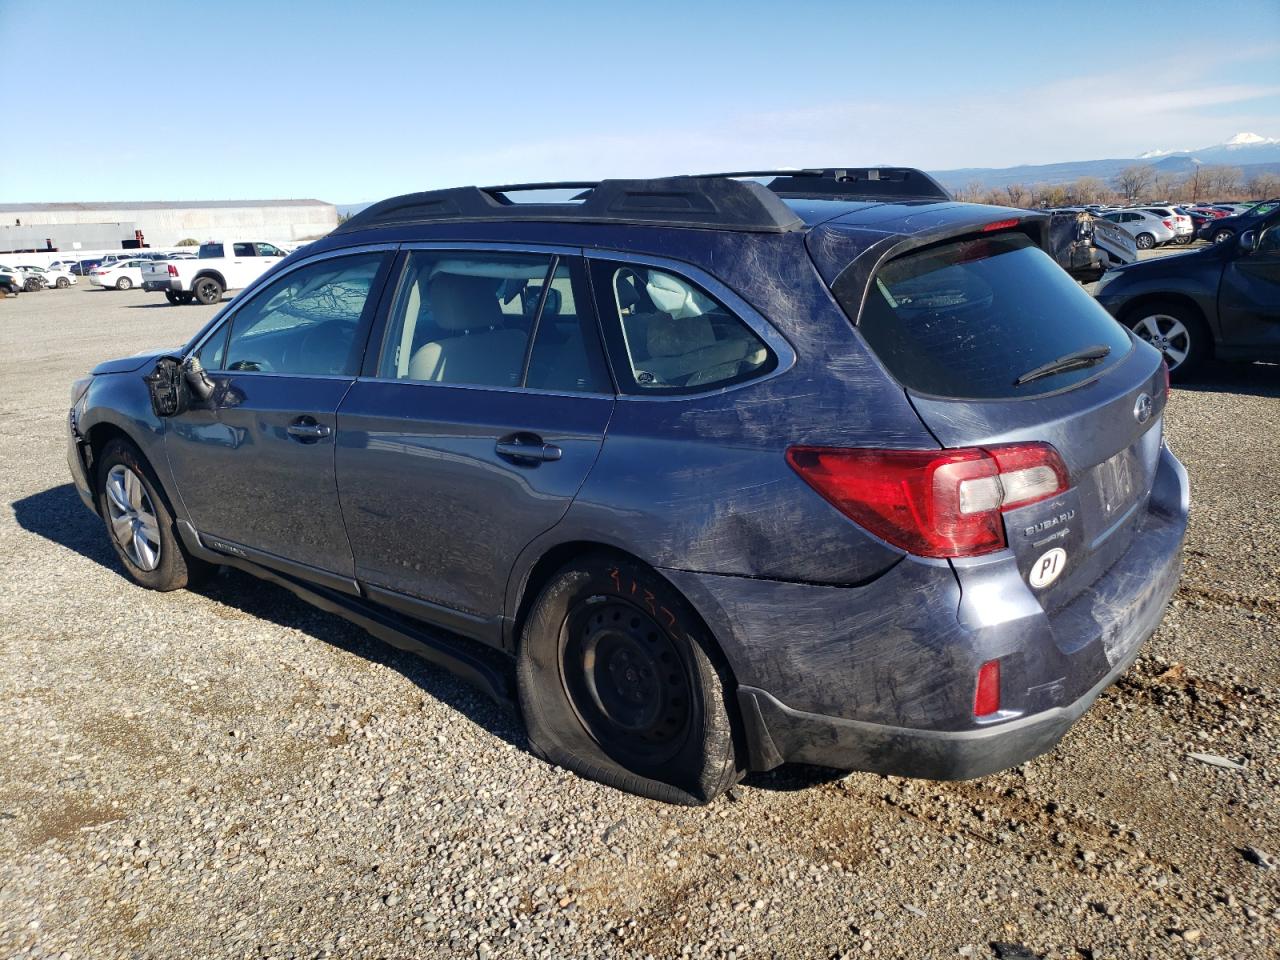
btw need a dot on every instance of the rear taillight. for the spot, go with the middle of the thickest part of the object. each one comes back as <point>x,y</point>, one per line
<point>173,271</point>
<point>986,700</point>
<point>933,503</point>
<point>1168,386</point>
<point>1168,223</point>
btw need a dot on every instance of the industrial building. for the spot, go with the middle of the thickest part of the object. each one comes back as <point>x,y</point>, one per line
<point>84,226</point>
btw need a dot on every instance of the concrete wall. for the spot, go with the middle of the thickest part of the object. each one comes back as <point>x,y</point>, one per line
<point>165,226</point>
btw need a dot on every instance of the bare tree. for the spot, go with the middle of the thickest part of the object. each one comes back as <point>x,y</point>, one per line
<point>1019,196</point>
<point>1133,181</point>
<point>1089,190</point>
<point>1163,186</point>
<point>1224,182</point>
<point>1264,186</point>
<point>972,192</point>
<point>1196,185</point>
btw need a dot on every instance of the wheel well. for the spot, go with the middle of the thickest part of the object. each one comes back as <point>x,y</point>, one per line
<point>209,273</point>
<point>98,437</point>
<point>561,554</point>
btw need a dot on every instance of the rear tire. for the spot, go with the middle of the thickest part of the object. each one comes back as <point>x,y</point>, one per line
<point>140,521</point>
<point>620,682</point>
<point>1177,331</point>
<point>171,296</point>
<point>124,283</point>
<point>1144,241</point>
<point>208,291</point>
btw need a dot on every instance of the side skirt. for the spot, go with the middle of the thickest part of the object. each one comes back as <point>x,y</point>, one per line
<point>484,668</point>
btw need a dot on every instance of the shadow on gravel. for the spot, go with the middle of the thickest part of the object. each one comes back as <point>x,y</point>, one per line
<point>1246,379</point>
<point>791,777</point>
<point>58,515</point>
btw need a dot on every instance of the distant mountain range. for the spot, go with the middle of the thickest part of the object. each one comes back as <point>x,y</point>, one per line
<point>1250,152</point>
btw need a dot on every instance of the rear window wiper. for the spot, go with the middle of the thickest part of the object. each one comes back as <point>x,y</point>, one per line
<point>1085,357</point>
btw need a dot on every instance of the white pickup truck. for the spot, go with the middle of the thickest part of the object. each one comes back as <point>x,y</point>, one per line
<point>220,265</point>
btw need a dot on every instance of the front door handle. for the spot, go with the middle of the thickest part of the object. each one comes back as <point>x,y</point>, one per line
<point>307,430</point>
<point>527,447</point>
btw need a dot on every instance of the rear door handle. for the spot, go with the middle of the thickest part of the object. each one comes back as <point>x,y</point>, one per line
<point>307,430</point>
<point>527,447</point>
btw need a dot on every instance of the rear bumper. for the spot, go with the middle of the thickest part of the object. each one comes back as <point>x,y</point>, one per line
<point>169,283</point>
<point>784,734</point>
<point>881,677</point>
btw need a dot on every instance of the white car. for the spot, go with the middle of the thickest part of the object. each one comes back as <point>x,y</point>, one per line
<point>1148,230</point>
<point>120,274</point>
<point>1184,231</point>
<point>54,276</point>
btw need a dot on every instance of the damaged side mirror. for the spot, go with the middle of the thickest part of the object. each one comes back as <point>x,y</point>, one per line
<point>173,383</point>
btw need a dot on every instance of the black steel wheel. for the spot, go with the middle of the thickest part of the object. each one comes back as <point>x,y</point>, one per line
<point>171,296</point>
<point>620,681</point>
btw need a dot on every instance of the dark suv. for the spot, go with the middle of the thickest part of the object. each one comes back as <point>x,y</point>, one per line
<point>722,471</point>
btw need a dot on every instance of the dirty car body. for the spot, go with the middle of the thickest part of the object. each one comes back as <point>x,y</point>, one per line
<point>885,326</point>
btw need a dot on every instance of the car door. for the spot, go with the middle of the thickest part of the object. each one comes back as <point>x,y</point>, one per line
<point>244,264</point>
<point>1249,295</point>
<point>254,463</point>
<point>477,423</point>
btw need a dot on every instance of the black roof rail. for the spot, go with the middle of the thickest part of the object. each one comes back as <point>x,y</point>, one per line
<point>850,183</point>
<point>707,202</point>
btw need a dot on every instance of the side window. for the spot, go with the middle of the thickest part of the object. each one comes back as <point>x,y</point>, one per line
<point>463,318</point>
<point>667,335</point>
<point>305,322</point>
<point>243,250</point>
<point>267,250</point>
<point>566,353</point>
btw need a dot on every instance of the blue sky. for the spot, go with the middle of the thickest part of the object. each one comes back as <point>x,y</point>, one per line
<point>360,100</point>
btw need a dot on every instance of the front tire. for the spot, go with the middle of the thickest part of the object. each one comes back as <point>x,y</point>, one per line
<point>208,291</point>
<point>620,682</point>
<point>140,522</point>
<point>1175,330</point>
<point>1144,241</point>
<point>1223,236</point>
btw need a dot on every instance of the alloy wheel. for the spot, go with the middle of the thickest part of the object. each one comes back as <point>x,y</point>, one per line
<point>1167,334</point>
<point>133,518</point>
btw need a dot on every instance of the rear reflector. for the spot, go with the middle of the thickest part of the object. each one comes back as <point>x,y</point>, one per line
<point>986,700</point>
<point>933,503</point>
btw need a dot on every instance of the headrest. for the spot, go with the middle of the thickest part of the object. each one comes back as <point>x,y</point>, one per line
<point>670,336</point>
<point>674,297</point>
<point>464,303</point>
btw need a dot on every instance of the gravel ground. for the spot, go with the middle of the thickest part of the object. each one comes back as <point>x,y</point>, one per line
<point>229,773</point>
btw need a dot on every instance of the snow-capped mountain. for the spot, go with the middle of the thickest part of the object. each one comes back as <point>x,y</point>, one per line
<point>1242,148</point>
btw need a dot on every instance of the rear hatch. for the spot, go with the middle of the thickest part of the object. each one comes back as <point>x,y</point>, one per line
<point>995,344</point>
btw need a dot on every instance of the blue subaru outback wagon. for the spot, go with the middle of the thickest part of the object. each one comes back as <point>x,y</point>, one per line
<point>712,473</point>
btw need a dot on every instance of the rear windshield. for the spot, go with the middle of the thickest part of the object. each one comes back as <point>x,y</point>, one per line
<point>208,250</point>
<point>972,318</point>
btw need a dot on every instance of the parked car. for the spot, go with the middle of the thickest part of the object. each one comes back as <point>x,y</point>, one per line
<point>1086,245</point>
<point>1183,230</point>
<point>82,267</point>
<point>33,278</point>
<point>830,469</point>
<point>1222,300</point>
<point>1148,230</point>
<point>219,266</point>
<point>1228,228</point>
<point>118,274</point>
<point>51,278</point>
<point>12,280</point>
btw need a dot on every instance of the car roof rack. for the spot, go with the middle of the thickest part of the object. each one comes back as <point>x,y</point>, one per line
<point>714,202</point>
<point>850,183</point>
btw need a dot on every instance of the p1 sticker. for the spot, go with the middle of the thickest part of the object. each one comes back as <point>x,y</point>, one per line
<point>1047,568</point>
